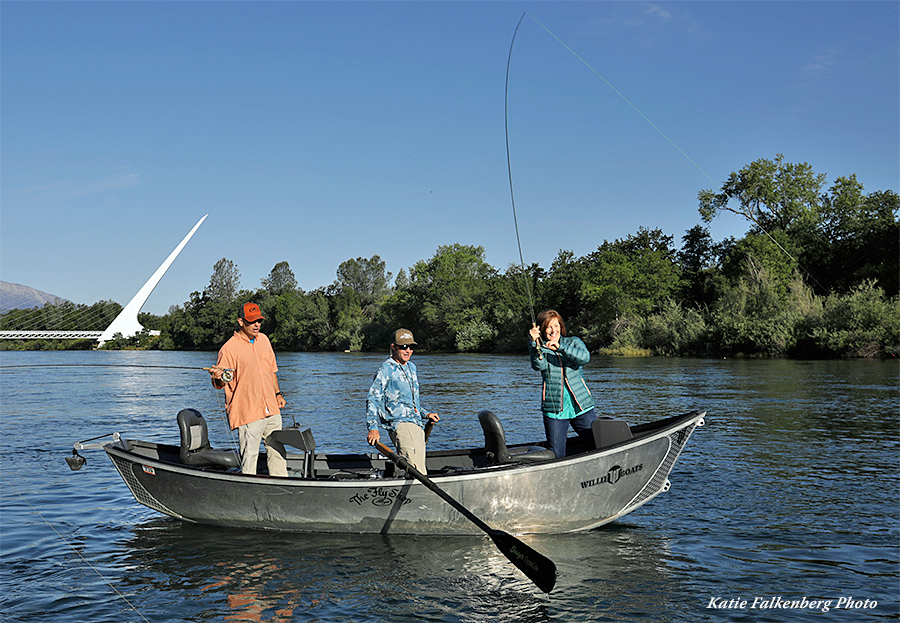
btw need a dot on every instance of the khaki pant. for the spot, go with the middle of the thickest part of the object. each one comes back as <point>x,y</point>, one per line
<point>250,436</point>
<point>409,439</point>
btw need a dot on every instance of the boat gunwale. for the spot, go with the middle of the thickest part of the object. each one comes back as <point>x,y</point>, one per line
<point>645,433</point>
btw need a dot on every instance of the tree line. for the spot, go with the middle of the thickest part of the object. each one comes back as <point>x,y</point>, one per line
<point>816,275</point>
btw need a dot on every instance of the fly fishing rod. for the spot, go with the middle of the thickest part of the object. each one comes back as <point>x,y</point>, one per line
<point>511,193</point>
<point>227,373</point>
<point>74,462</point>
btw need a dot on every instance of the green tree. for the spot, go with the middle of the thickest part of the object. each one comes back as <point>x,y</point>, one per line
<point>776,197</point>
<point>671,331</point>
<point>759,316</point>
<point>366,277</point>
<point>861,237</point>
<point>758,252</point>
<point>562,288</point>
<point>349,321</point>
<point>773,195</point>
<point>509,311</point>
<point>449,291</point>
<point>625,279</point>
<point>701,274</point>
<point>280,280</point>
<point>224,282</point>
<point>357,297</point>
<point>861,323</point>
<point>298,322</point>
<point>315,324</point>
<point>209,317</point>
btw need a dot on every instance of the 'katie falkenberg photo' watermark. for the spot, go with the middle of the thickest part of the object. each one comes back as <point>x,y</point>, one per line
<point>779,603</point>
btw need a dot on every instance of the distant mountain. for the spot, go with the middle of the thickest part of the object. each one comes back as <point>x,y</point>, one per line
<point>15,296</point>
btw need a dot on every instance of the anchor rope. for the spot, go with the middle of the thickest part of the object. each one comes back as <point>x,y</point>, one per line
<point>72,547</point>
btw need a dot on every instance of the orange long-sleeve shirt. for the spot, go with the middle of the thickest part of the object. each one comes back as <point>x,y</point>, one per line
<point>250,395</point>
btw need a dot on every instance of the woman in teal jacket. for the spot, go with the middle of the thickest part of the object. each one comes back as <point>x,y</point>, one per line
<point>566,398</point>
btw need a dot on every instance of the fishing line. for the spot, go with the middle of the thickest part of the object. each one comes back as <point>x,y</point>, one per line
<point>653,125</point>
<point>72,547</point>
<point>220,401</point>
<point>671,142</point>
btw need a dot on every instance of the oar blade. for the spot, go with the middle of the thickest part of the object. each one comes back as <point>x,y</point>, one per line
<point>537,567</point>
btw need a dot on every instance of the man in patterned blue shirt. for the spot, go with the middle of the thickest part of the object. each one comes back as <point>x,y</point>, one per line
<point>393,403</point>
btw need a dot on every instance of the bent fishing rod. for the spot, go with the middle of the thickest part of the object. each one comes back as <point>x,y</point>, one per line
<point>511,193</point>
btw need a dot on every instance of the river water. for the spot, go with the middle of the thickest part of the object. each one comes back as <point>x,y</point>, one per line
<point>788,494</point>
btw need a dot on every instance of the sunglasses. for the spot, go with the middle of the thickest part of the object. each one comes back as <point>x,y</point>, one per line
<point>404,346</point>
<point>259,321</point>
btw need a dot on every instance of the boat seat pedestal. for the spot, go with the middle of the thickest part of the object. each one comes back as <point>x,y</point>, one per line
<point>495,444</point>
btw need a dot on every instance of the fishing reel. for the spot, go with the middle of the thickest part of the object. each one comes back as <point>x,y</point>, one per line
<point>227,374</point>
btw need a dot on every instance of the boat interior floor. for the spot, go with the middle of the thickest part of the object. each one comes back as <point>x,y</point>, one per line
<point>304,462</point>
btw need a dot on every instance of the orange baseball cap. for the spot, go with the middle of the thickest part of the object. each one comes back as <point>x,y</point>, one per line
<point>251,312</point>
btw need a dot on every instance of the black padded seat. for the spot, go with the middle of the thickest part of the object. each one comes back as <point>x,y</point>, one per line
<point>195,448</point>
<point>495,444</point>
<point>609,431</point>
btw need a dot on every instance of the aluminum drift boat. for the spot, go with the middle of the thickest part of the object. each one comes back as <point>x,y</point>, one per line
<point>520,489</point>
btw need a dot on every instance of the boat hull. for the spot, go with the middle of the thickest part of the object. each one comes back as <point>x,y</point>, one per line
<point>565,495</point>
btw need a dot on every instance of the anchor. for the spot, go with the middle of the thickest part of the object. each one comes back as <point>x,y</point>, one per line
<point>76,461</point>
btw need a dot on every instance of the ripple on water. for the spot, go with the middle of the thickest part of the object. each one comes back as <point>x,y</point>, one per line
<point>785,491</point>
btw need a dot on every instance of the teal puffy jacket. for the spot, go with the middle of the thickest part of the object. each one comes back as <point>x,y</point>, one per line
<point>562,368</point>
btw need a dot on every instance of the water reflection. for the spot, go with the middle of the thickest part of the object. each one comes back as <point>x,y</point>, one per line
<point>253,576</point>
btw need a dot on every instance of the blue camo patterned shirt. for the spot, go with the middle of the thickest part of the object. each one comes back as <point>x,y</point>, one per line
<point>394,397</point>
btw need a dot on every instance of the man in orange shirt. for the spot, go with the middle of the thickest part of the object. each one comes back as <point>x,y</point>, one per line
<point>252,398</point>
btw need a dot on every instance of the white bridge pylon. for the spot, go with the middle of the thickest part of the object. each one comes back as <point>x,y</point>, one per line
<point>126,322</point>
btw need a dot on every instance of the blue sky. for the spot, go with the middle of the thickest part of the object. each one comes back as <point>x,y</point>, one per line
<point>316,132</point>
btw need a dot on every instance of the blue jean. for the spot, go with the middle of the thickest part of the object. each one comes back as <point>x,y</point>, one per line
<point>558,429</point>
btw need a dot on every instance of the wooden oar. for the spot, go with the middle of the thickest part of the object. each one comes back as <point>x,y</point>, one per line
<point>537,567</point>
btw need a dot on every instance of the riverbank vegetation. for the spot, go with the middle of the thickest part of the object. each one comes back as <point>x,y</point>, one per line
<point>816,275</point>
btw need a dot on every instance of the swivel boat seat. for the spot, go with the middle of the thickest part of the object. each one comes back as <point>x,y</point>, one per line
<point>495,444</point>
<point>195,448</point>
